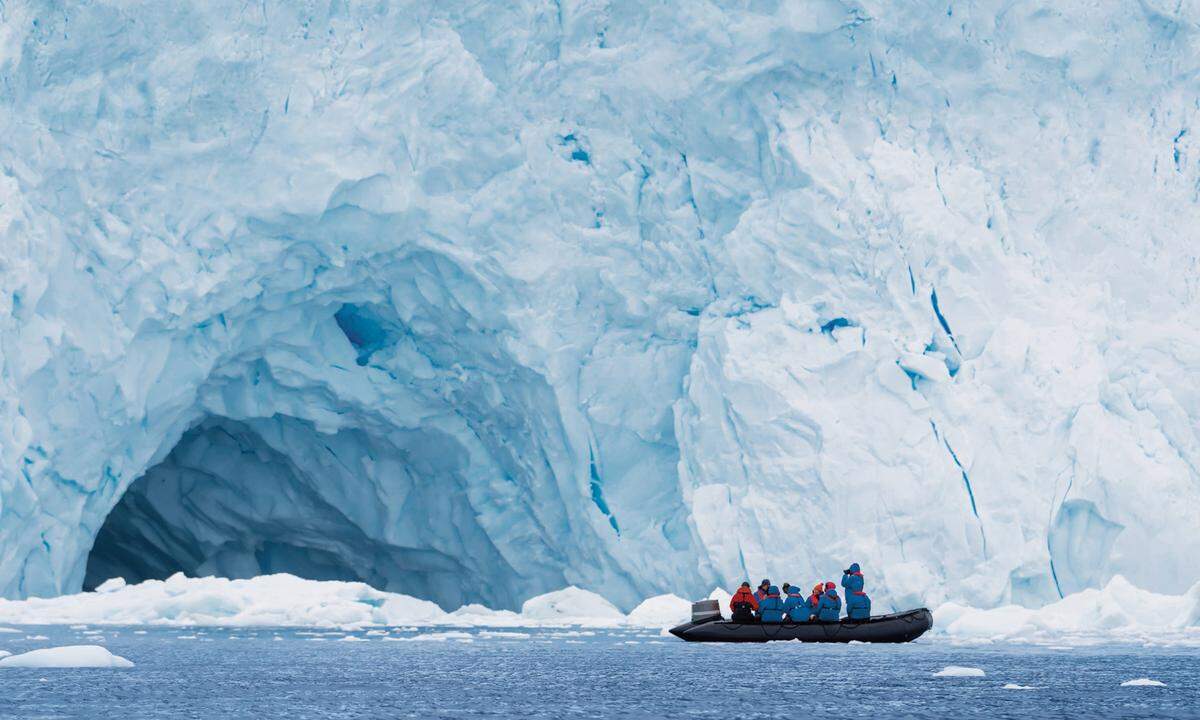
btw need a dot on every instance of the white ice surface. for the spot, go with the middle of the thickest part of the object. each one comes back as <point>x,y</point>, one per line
<point>959,671</point>
<point>478,301</point>
<point>1143,682</point>
<point>1119,612</point>
<point>67,656</point>
<point>661,611</point>
<point>285,600</point>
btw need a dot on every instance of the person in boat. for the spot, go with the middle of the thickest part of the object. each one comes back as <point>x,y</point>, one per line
<point>830,607</point>
<point>786,587</point>
<point>743,604</point>
<point>770,608</point>
<point>858,604</point>
<point>814,600</point>
<point>795,606</point>
<point>761,592</point>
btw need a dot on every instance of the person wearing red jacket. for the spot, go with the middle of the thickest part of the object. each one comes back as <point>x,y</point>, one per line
<point>743,604</point>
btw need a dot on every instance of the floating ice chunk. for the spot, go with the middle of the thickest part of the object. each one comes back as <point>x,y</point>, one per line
<point>437,637</point>
<point>1119,611</point>
<point>721,596</point>
<point>352,638</point>
<point>478,615</point>
<point>661,611</point>
<point>67,656</point>
<point>504,635</point>
<point>9,630</point>
<point>572,606</point>
<point>404,609</point>
<point>1014,686</point>
<point>36,637</point>
<point>4,653</point>
<point>1143,682</point>
<point>268,600</point>
<point>959,671</point>
<point>110,585</point>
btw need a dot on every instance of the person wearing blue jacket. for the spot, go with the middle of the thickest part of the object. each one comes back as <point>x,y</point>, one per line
<point>770,608</point>
<point>796,605</point>
<point>830,609</point>
<point>852,578</point>
<point>858,605</point>
<point>814,600</point>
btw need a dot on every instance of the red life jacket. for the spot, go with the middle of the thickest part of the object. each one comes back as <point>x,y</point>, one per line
<point>743,595</point>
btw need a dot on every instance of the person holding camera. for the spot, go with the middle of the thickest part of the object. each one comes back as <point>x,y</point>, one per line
<point>858,604</point>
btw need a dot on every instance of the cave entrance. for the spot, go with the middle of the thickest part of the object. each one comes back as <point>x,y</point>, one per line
<point>239,499</point>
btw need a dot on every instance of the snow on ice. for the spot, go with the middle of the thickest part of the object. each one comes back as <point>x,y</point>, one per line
<point>959,671</point>
<point>1143,682</point>
<point>1118,613</point>
<point>289,601</point>
<point>476,304</point>
<point>67,656</point>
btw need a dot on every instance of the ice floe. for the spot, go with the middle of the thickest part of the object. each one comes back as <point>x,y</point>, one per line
<point>661,611</point>
<point>1143,682</point>
<point>67,656</point>
<point>1119,612</point>
<point>959,671</point>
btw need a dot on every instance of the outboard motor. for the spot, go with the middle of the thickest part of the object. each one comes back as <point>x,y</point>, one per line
<point>706,611</point>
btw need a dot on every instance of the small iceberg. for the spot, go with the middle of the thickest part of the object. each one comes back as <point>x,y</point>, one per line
<point>67,656</point>
<point>662,611</point>
<point>1014,686</point>
<point>1140,682</point>
<point>436,637</point>
<point>959,671</point>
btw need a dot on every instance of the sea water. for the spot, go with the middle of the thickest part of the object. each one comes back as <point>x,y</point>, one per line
<point>475,673</point>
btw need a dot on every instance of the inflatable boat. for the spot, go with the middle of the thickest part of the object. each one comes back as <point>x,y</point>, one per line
<point>707,625</point>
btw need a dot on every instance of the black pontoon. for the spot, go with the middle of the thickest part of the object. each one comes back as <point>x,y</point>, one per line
<point>708,626</point>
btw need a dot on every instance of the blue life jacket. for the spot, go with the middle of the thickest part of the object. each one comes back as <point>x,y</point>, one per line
<point>830,609</point>
<point>858,605</point>
<point>796,606</point>
<point>853,580</point>
<point>770,608</point>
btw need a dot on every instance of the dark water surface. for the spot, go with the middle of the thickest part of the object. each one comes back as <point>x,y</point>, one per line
<point>609,674</point>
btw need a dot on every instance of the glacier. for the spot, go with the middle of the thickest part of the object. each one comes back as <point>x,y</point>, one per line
<point>476,301</point>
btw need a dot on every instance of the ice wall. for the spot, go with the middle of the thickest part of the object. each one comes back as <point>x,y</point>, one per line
<point>500,297</point>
